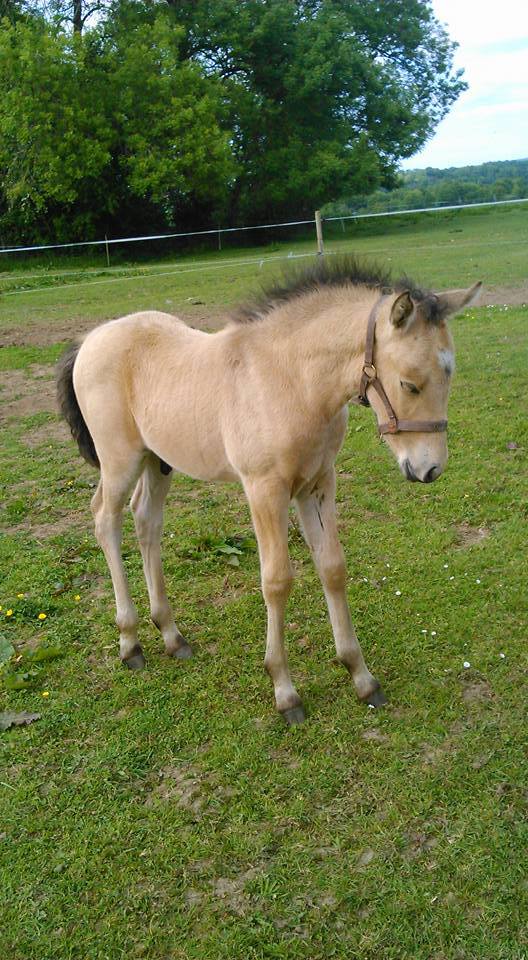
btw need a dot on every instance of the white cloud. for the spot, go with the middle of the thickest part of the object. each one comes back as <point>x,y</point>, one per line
<point>490,120</point>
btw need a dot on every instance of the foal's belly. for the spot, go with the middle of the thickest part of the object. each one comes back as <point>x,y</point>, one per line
<point>198,462</point>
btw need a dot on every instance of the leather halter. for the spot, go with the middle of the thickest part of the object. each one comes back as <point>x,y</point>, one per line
<point>369,378</point>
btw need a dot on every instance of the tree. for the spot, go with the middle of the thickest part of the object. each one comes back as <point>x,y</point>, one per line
<point>173,152</point>
<point>96,135</point>
<point>55,139</point>
<point>325,96</point>
<point>162,111</point>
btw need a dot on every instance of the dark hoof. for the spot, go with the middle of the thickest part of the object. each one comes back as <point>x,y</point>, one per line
<point>377,698</point>
<point>294,715</point>
<point>183,652</point>
<point>136,660</point>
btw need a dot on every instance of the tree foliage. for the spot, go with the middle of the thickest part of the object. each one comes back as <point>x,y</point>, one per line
<point>93,134</point>
<point>171,111</point>
<point>325,97</point>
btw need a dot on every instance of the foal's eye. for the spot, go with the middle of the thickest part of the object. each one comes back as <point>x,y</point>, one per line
<point>410,387</point>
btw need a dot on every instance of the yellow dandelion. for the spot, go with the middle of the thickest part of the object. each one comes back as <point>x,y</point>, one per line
<point>77,596</point>
<point>0,607</point>
<point>20,596</point>
<point>42,616</point>
<point>45,693</point>
<point>9,613</point>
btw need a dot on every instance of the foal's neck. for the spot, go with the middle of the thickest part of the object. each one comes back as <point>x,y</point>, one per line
<point>321,337</point>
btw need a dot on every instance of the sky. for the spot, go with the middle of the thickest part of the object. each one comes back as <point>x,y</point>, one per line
<point>490,120</point>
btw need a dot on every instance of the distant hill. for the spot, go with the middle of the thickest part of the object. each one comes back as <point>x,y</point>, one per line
<point>498,180</point>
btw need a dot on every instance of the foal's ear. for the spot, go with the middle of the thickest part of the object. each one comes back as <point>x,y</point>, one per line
<point>453,301</point>
<point>401,309</point>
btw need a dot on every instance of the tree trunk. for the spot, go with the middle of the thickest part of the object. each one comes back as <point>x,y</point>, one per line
<point>77,16</point>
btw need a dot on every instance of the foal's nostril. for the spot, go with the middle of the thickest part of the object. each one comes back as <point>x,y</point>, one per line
<point>409,472</point>
<point>431,474</point>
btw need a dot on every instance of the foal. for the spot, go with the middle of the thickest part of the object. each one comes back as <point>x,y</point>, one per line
<point>263,402</point>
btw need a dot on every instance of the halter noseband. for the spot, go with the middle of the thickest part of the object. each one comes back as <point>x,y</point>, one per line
<point>369,378</point>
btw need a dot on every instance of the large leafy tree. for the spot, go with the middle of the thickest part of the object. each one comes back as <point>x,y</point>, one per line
<point>326,96</point>
<point>105,135</point>
<point>157,112</point>
<point>55,139</point>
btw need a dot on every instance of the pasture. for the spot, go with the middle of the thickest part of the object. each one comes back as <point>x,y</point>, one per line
<point>171,814</point>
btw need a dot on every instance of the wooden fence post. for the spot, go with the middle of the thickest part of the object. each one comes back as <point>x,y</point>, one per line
<point>107,251</point>
<point>319,231</point>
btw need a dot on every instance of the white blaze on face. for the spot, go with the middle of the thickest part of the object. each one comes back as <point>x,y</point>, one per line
<point>446,360</point>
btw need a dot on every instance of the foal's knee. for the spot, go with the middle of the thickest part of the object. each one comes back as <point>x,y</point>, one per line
<point>276,585</point>
<point>333,574</point>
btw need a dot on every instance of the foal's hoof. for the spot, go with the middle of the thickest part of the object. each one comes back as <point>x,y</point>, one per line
<point>377,698</point>
<point>136,660</point>
<point>294,715</point>
<point>183,652</point>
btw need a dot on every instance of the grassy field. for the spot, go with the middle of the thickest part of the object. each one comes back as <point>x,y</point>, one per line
<point>170,815</point>
<point>439,250</point>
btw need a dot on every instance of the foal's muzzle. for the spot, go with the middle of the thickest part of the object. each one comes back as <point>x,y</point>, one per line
<point>428,477</point>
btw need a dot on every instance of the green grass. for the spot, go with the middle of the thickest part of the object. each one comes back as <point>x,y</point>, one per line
<point>171,814</point>
<point>444,249</point>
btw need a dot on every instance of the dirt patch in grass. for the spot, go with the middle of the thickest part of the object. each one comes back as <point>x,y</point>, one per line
<point>44,531</point>
<point>229,593</point>
<point>232,893</point>
<point>228,892</point>
<point>468,536</point>
<point>23,395</point>
<point>435,753</point>
<point>185,784</point>
<point>476,691</point>
<point>43,334</point>
<point>54,432</point>
<point>504,296</point>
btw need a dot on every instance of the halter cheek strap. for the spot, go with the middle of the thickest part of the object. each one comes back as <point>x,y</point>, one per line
<point>369,378</point>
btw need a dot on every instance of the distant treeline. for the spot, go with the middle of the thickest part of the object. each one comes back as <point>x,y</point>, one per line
<point>500,180</point>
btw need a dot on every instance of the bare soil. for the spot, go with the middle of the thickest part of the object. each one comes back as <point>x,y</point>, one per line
<point>504,296</point>
<point>22,395</point>
<point>38,334</point>
<point>55,528</point>
<point>468,536</point>
<point>44,334</point>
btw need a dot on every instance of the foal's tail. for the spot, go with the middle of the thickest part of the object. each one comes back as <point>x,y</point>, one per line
<point>69,407</point>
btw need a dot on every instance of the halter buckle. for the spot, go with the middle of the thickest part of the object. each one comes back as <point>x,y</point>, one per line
<point>393,425</point>
<point>370,371</point>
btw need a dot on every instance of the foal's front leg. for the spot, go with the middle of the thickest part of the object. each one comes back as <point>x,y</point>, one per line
<point>269,501</point>
<point>316,512</point>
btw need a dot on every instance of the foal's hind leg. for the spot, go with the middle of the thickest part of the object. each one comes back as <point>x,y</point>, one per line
<point>147,506</point>
<point>107,508</point>
<point>318,520</point>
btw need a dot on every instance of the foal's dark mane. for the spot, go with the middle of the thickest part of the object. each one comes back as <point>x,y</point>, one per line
<point>333,271</point>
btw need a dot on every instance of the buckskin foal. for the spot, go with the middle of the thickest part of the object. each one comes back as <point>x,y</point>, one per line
<point>264,402</point>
